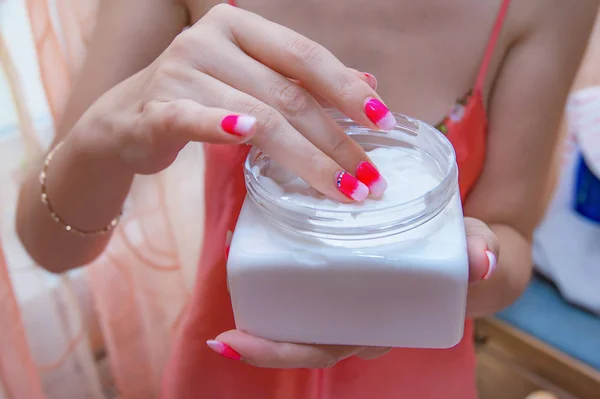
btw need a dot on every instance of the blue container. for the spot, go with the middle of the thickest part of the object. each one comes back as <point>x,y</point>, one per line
<point>587,192</point>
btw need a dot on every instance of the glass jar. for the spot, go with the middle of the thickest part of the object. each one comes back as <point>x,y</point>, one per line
<point>389,272</point>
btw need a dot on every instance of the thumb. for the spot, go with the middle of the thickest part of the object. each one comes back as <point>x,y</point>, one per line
<point>264,353</point>
<point>483,250</point>
<point>187,120</point>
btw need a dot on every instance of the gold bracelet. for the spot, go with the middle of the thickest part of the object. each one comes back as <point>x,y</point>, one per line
<point>58,219</point>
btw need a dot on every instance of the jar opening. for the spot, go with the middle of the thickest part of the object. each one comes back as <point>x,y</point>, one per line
<point>299,210</point>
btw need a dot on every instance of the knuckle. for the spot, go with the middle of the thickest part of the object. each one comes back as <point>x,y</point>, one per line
<point>341,144</point>
<point>169,116</point>
<point>347,87</point>
<point>161,76</point>
<point>192,41</point>
<point>305,50</point>
<point>166,71</point>
<point>291,99</point>
<point>220,11</point>
<point>268,119</point>
<point>189,44</point>
<point>159,118</point>
<point>263,113</point>
<point>315,160</point>
<point>180,43</point>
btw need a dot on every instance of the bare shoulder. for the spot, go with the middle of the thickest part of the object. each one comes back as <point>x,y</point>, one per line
<point>555,19</point>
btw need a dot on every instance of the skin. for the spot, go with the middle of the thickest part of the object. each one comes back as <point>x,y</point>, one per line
<point>136,104</point>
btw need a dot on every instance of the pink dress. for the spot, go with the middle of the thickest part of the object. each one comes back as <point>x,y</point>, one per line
<point>194,371</point>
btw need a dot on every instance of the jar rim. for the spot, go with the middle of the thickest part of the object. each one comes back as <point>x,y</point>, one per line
<point>294,215</point>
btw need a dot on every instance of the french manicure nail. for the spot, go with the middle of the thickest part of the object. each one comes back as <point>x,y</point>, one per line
<point>239,125</point>
<point>371,177</point>
<point>379,114</point>
<point>223,349</point>
<point>492,263</point>
<point>351,187</point>
<point>371,80</point>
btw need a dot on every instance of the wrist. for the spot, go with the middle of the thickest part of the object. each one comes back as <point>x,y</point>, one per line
<point>86,182</point>
<point>93,140</point>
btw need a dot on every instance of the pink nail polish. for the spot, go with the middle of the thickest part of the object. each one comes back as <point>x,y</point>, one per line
<point>371,177</point>
<point>240,125</point>
<point>492,263</point>
<point>351,187</point>
<point>371,80</point>
<point>223,349</point>
<point>379,114</point>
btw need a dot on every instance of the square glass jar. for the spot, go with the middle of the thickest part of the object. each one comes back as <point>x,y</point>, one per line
<point>393,275</point>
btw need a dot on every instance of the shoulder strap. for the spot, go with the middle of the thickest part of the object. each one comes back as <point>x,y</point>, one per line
<point>491,46</point>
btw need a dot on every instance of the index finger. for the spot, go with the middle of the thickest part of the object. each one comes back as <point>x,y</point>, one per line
<point>264,353</point>
<point>297,57</point>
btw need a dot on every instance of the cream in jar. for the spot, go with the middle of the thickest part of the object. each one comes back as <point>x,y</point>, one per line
<point>391,271</point>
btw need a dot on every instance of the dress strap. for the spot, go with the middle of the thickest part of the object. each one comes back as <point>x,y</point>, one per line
<point>491,46</point>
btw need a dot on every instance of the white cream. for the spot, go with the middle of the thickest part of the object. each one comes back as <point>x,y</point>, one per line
<point>406,288</point>
<point>409,176</point>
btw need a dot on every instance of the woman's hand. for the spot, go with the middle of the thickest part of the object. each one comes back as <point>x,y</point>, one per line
<point>233,78</point>
<point>483,250</point>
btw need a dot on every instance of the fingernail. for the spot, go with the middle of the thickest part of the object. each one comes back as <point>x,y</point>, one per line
<point>240,125</point>
<point>379,114</point>
<point>492,262</point>
<point>371,177</point>
<point>371,80</point>
<point>223,349</point>
<point>351,187</point>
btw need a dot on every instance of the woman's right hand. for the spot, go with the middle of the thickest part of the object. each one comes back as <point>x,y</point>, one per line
<point>235,77</point>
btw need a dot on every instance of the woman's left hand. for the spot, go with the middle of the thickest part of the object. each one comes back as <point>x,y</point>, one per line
<point>483,250</point>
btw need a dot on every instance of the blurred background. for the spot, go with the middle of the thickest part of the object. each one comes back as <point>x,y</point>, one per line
<point>55,331</point>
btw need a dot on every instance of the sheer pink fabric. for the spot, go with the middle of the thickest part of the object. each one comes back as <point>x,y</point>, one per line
<point>18,374</point>
<point>139,285</point>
